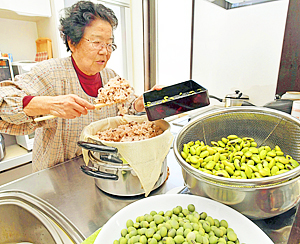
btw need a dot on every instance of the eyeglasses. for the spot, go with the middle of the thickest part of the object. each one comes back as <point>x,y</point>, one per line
<point>100,45</point>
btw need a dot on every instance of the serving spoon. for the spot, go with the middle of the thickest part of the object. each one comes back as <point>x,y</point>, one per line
<point>46,117</point>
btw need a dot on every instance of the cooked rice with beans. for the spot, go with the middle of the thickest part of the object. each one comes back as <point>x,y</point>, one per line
<point>133,131</point>
<point>117,90</point>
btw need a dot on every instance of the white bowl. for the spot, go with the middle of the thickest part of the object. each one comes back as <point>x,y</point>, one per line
<point>246,230</point>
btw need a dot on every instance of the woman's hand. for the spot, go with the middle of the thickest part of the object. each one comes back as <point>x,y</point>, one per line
<point>139,102</point>
<point>63,106</point>
<point>157,87</point>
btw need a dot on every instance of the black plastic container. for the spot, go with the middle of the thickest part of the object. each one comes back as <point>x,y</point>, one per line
<point>175,99</point>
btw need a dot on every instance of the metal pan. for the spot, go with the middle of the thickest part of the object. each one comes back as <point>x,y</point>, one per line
<point>115,177</point>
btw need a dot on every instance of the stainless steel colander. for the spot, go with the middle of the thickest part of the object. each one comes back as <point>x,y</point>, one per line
<point>256,198</point>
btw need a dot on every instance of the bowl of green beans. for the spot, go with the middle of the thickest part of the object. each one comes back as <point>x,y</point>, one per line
<point>245,157</point>
<point>175,218</point>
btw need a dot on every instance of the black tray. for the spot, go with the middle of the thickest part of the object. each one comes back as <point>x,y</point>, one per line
<point>175,99</point>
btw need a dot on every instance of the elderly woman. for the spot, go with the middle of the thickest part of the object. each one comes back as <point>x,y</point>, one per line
<point>64,87</point>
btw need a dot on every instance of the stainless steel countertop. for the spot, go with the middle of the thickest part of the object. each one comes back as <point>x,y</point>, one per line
<point>77,197</point>
<point>88,208</point>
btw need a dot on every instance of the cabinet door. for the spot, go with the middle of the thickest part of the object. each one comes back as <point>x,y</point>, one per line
<point>289,72</point>
<point>27,7</point>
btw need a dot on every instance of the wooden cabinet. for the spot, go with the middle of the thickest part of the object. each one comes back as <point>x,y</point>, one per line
<point>289,71</point>
<point>30,10</point>
<point>28,20</point>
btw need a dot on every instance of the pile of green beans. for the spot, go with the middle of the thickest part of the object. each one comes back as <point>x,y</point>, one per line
<point>238,158</point>
<point>177,226</point>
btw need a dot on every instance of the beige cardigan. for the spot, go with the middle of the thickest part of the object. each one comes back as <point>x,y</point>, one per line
<point>56,139</point>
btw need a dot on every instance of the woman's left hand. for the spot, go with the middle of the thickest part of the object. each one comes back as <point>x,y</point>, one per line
<point>139,102</point>
<point>157,87</point>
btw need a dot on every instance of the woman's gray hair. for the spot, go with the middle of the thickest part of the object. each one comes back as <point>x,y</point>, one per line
<point>80,15</point>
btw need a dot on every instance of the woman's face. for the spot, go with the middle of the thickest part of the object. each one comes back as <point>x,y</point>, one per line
<point>89,59</point>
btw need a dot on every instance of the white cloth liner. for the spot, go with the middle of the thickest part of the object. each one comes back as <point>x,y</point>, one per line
<point>145,156</point>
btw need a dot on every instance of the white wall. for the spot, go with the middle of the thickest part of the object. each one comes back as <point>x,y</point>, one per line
<point>49,27</point>
<point>137,46</point>
<point>174,18</point>
<point>239,48</point>
<point>116,61</point>
<point>173,27</point>
<point>18,38</point>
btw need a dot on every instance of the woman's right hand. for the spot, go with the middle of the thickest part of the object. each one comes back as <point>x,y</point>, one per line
<point>64,106</point>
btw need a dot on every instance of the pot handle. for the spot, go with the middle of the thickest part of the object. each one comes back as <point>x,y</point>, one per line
<point>111,158</point>
<point>239,94</point>
<point>98,174</point>
<point>219,99</point>
<point>97,147</point>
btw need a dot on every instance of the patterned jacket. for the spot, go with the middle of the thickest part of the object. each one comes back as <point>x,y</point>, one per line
<point>55,139</point>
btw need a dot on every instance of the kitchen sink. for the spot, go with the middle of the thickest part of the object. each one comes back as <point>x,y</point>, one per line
<point>25,218</point>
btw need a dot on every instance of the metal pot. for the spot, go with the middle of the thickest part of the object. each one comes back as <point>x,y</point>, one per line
<point>235,99</point>
<point>112,175</point>
<point>255,198</point>
<point>2,147</point>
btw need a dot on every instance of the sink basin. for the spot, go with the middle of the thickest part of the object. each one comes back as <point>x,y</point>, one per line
<point>25,218</point>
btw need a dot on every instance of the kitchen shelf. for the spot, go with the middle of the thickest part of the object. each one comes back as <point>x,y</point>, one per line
<point>15,156</point>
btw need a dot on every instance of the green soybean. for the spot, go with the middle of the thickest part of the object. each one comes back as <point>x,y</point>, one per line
<point>238,158</point>
<point>177,226</point>
<point>191,207</point>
